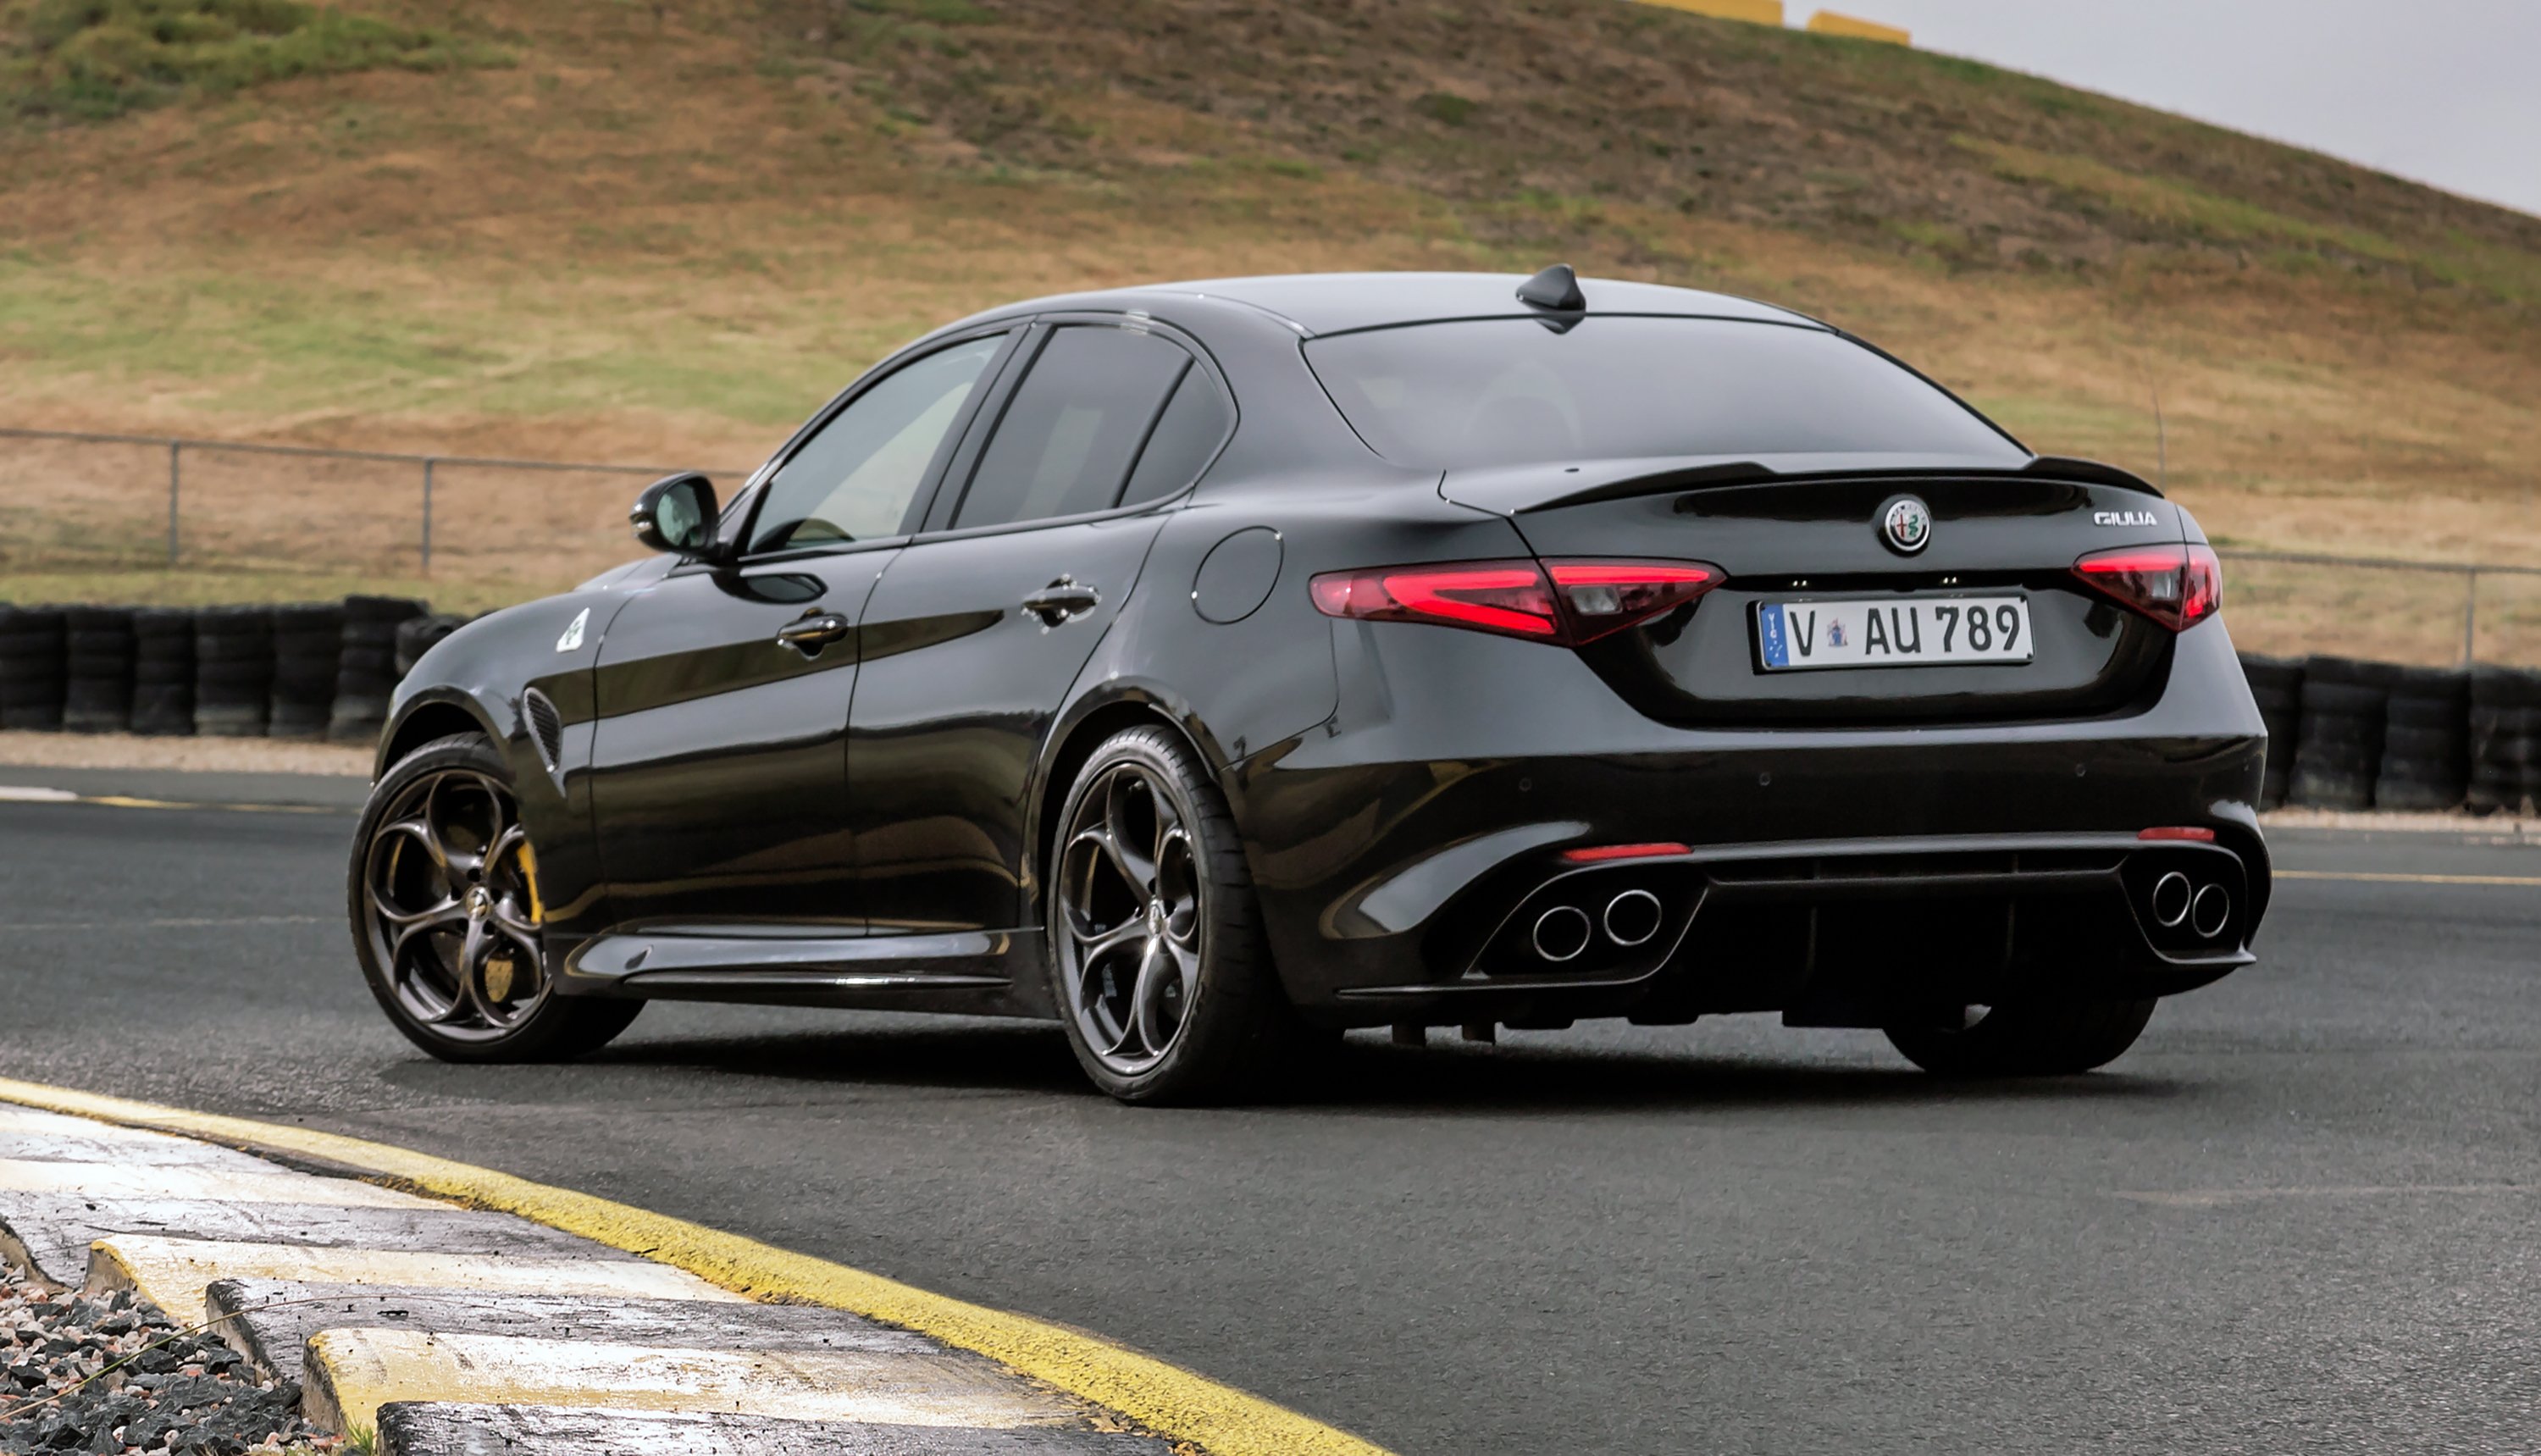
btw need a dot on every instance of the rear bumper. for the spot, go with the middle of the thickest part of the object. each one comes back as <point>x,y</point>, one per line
<point>1843,877</point>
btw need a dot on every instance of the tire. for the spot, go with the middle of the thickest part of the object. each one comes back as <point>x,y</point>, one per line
<point>417,636</point>
<point>35,668</point>
<point>462,787</point>
<point>2032,1040</point>
<point>1214,1000</point>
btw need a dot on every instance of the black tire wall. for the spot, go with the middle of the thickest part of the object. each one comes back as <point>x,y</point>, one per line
<point>34,667</point>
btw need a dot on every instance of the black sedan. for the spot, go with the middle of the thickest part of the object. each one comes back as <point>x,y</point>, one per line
<point>1212,667</point>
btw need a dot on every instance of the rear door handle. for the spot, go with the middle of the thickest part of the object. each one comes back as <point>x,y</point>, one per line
<point>1062,599</point>
<point>808,634</point>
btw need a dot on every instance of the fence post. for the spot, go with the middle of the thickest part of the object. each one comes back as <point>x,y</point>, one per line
<point>174,447</point>
<point>427,515</point>
<point>2470,617</point>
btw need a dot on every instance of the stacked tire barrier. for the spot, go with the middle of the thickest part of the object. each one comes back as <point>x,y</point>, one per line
<point>416,637</point>
<point>307,644</point>
<point>2343,734</point>
<point>2338,746</point>
<point>97,689</point>
<point>2277,684</point>
<point>367,669</point>
<point>233,671</point>
<point>163,671</point>
<point>34,667</point>
<point>2503,746</point>
<point>2426,741</point>
<point>303,670</point>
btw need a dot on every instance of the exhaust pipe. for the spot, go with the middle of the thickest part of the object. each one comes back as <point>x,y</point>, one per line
<point>1633,918</point>
<point>2211,912</point>
<point>1562,932</point>
<point>2171,900</point>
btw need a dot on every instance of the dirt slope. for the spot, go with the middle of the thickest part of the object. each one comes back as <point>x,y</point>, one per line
<point>662,231</point>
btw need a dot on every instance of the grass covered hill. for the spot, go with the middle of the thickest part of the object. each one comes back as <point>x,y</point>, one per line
<point>663,229</point>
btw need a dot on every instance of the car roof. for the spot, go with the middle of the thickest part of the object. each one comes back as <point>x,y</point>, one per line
<point>1339,303</point>
<point>1335,303</point>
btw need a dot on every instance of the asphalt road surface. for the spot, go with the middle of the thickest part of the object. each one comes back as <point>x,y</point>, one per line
<point>2299,1216</point>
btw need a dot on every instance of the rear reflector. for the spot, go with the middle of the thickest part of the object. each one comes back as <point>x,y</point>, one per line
<point>2179,831</point>
<point>1566,602</point>
<point>2178,585</point>
<point>1598,853</point>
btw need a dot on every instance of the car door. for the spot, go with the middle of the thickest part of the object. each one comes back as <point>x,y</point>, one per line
<point>977,629</point>
<point>719,776</point>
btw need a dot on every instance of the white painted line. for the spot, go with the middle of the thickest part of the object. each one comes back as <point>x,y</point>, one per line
<point>173,1274</point>
<point>2216,1197</point>
<point>15,794</point>
<point>109,1181</point>
<point>353,1372</point>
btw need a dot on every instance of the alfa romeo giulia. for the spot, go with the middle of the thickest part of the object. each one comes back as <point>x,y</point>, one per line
<point>1215,666</point>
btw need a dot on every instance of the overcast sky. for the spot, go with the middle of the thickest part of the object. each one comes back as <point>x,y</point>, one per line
<point>2448,92</point>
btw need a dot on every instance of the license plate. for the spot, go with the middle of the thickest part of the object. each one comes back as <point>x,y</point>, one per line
<point>1907,632</point>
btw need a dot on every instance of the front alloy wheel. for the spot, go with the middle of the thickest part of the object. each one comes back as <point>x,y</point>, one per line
<point>446,915</point>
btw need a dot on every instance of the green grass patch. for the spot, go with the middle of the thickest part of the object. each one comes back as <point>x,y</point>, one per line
<point>95,59</point>
<point>1446,107</point>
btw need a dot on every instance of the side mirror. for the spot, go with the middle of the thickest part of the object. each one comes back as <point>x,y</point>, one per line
<point>677,512</point>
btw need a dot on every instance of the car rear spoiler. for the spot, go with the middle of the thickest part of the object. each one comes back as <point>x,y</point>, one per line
<point>1751,472</point>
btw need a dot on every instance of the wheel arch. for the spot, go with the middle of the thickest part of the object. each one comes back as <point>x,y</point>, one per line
<point>430,716</point>
<point>1085,731</point>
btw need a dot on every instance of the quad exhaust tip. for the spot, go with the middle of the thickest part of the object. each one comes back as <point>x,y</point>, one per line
<point>2204,909</point>
<point>2171,899</point>
<point>2212,912</point>
<point>1562,932</point>
<point>1633,918</point>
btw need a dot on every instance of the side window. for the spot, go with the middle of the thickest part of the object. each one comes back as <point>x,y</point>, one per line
<point>1194,425</point>
<point>1075,426</point>
<point>855,479</point>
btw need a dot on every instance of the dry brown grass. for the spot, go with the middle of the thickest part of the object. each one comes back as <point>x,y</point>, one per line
<point>665,242</point>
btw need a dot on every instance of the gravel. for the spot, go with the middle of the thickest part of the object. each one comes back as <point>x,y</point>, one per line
<point>189,1394</point>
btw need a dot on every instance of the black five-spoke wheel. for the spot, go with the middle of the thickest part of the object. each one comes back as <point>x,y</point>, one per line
<point>1131,896</point>
<point>1157,960</point>
<point>446,915</point>
<point>453,912</point>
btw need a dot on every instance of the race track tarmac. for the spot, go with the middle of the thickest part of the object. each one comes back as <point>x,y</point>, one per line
<point>2299,1216</point>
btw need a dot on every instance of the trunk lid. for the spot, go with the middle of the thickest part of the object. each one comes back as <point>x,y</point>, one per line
<point>1817,537</point>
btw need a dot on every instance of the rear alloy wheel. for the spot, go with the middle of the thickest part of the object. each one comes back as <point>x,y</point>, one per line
<point>446,915</point>
<point>1157,959</point>
<point>2038,1040</point>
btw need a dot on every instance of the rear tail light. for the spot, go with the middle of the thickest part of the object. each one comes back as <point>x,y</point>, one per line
<point>1565,603</point>
<point>2178,585</point>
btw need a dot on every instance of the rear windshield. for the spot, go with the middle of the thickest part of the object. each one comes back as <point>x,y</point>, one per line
<point>1443,397</point>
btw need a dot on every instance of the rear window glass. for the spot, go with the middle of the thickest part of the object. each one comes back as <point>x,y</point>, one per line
<point>1074,427</point>
<point>1443,397</point>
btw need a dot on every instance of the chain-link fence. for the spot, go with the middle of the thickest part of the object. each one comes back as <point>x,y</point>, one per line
<point>88,504</point>
<point>514,529</point>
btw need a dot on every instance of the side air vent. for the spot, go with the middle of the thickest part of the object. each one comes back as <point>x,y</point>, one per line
<point>546,729</point>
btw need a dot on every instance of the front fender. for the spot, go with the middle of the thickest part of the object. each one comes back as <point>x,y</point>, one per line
<point>479,677</point>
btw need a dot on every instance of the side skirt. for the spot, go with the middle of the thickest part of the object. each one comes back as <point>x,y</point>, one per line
<point>975,973</point>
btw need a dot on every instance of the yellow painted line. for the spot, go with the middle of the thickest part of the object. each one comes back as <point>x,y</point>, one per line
<point>216,1185</point>
<point>351,1373</point>
<point>173,1274</point>
<point>1174,1401</point>
<point>2374,878</point>
<point>10,795</point>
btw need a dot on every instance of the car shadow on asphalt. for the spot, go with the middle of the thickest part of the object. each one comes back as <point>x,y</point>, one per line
<point>1363,1075</point>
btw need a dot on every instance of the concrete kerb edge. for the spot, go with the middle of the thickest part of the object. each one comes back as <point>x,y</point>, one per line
<point>1164,1398</point>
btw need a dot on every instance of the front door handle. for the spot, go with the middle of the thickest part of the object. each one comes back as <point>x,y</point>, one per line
<point>812,632</point>
<point>1062,599</point>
